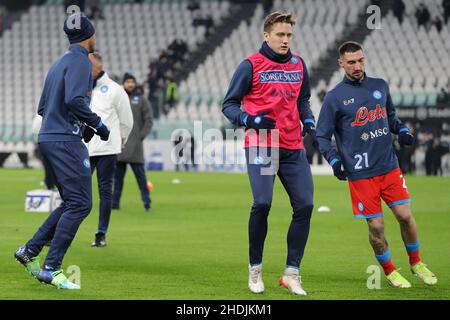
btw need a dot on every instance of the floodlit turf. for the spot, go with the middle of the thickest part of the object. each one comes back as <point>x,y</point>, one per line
<point>193,244</point>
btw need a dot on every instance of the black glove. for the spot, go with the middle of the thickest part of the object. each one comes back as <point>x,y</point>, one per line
<point>259,121</point>
<point>310,129</point>
<point>88,133</point>
<point>340,173</point>
<point>405,139</point>
<point>103,132</point>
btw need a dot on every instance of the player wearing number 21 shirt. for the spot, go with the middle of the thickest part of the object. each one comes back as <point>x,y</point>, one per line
<point>360,114</point>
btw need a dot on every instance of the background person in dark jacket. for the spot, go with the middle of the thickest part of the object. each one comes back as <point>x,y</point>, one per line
<point>399,10</point>
<point>133,152</point>
<point>422,15</point>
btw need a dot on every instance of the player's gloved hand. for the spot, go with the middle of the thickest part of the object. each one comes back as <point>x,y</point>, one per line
<point>259,121</point>
<point>88,133</point>
<point>340,173</point>
<point>310,129</point>
<point>103,132</point>
<point>405,138</point>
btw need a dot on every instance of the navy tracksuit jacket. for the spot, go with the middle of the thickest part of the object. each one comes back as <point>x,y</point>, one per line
<point>64,107</point>
<point>361,116</point>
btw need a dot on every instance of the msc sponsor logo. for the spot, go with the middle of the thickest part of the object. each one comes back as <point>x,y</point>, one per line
<point>363,115</point>
<point>375,134</point>
<point>280,76</point>
<point>365,136</point>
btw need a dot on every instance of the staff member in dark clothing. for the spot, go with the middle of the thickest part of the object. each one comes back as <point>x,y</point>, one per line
<point>66,119</point>
<point>133,152</point>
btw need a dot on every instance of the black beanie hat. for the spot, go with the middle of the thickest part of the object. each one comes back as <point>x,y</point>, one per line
<point>128,76</point>
<point>78,28</point>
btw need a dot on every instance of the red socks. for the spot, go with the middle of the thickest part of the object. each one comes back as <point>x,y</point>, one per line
<point>413,252</point>
<point>388,267</point>
<point>413,257</point>
<point>386,262</point>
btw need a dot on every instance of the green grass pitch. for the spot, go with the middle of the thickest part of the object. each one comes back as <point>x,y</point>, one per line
<point>193,244</point>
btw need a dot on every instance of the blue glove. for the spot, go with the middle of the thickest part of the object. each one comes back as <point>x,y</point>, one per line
<point>88,133</point>
<point>405,138</point>
<point>310,129</point>
<point>340,173</point>
<point>259,121</point>
<point>103,132</point>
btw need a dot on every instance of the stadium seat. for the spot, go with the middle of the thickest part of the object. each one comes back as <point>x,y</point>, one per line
<point>408,99</point>
<point>420,99</point>
<point>26,55</point>
<point>408,47</point>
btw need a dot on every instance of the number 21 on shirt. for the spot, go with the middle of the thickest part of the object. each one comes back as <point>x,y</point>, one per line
<point>361,159</point>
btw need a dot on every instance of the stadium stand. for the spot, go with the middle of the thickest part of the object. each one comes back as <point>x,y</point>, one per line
<point>317,30</point>
<point>129,36</point>
<point>415,61</point>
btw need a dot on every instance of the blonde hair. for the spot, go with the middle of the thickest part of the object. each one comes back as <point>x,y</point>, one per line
<point>277,17</point>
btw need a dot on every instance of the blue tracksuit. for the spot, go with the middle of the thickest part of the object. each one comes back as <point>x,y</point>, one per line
<point>64,106</point>
<point>292,168</point>
<point>362,117</point>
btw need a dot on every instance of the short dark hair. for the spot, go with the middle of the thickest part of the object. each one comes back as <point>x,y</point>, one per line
<point>279,16</point>
<point>97,56</point>
<point>349,46</point>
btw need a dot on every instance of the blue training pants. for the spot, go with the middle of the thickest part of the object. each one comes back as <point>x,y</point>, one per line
<point>294,172</point>
<point>69,161</point>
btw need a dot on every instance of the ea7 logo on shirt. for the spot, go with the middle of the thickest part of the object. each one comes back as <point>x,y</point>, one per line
<point>349,101</point>
<point>363,115</point>
<point>274,76</point>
